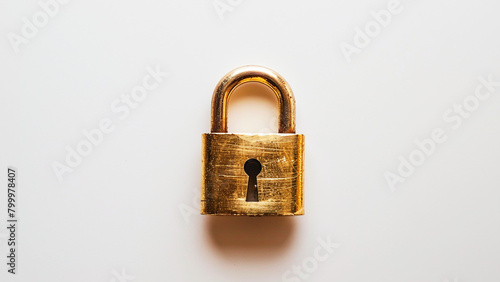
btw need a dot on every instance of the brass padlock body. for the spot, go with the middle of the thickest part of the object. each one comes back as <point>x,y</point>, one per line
<point>224,182</point>
<point>281,156</point>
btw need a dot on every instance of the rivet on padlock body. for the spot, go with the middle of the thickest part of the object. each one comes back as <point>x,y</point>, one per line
<point>279,181</point>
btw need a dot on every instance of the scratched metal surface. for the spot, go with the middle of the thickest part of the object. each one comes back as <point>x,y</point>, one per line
<point>224,181</point>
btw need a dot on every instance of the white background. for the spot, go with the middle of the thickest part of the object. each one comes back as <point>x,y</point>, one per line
<point>128,211</point>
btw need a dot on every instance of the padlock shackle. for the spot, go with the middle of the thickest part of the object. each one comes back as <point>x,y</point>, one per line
<point>245,74</point>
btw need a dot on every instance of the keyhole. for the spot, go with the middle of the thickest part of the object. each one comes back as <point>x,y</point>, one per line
<point>252,168</point>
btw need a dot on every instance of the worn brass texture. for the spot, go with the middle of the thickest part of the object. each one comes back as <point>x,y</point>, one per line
<point>281,180</point>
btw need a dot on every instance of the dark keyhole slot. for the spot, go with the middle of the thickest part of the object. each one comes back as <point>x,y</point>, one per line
<point>252,168</point>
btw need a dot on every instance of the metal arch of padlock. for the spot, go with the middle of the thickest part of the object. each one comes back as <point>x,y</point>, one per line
<point>252,174</point>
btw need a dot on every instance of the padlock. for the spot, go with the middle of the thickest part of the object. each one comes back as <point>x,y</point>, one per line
<point>252,174</point>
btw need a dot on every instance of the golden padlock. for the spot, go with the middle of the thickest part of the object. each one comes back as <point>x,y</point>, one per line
<point>252,174</point>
